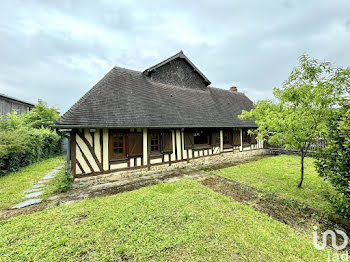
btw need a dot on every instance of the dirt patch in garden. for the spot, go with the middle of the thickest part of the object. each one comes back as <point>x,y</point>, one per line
<point>292,213</point>
<point>8,213</point>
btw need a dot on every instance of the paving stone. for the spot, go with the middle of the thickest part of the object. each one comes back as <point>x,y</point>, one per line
<point>43,181</point>
<point>37,186</point>
<point>34,194</point>
<point>28,202</point>
<point>32,190</point>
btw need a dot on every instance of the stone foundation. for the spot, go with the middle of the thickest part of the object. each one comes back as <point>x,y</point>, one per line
<point>211,160</point>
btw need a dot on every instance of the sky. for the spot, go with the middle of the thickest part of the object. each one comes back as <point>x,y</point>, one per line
<point>57,50</point>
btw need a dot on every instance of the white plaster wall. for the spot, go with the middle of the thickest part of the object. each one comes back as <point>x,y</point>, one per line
<point>82,162</point>
<point>88,154</point>
<point>97,145</point>
<point>87,135</point>
<point>156,161</point>
<point>117,166</point>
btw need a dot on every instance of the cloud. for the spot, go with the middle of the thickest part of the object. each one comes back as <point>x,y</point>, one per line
<point>57,50</point>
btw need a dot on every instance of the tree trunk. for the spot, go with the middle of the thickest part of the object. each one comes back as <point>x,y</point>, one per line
<point>302,168</point>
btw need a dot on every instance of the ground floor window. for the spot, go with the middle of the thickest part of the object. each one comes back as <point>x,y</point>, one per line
<point>245,137</point>
<point>123,143</point>
<point>117,147</point>
<point>201,138</point>
<point>155,142</point>
<point>228,135</point>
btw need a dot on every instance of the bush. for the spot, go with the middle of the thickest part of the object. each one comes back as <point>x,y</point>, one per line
<point>22,144</point>
<point>23,147</point>
<point>333,161</point>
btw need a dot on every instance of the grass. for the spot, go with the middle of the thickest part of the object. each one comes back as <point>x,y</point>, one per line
<point>281,174</point>
<point>179,221</point>
<point>13,184</point>
<point>61,183</point>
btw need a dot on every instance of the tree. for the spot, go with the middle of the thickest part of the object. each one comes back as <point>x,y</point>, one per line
<point>299,115</point>
<point>41,116</point>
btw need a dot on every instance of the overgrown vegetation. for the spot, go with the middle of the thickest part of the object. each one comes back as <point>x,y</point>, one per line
<point>279,174</point>
<point>61,183</point>
<point>333,162</point>
<point>27,138</point>
<point>179,221</point>
<point>300,114</point>
<point>13,184</point>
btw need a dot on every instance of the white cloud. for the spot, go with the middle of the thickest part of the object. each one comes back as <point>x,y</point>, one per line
<point>49,48</point>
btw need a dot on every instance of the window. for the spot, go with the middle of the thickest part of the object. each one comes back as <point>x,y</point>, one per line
<point>245,137</point>
<point>117,145</point>
<point>228,138</point>
<point>155,142</point>
<point>201,138</point>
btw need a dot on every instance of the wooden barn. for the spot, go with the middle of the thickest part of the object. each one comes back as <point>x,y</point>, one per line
<point>165,114</point>
<point>9,105</point>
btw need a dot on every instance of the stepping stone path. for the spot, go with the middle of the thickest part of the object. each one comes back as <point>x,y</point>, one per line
<point>37,190</point>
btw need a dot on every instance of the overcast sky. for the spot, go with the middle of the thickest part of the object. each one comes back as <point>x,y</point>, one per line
<point>57,50</point>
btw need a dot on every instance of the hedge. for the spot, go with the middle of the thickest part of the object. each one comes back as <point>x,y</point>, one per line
<point>24,146</point>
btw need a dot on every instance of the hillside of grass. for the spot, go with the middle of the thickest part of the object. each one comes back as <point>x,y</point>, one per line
<point>13,184</point>
<point>179,221</point>
<point>281,174</point>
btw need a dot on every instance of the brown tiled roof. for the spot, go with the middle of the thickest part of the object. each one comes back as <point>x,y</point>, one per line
<point>128,98</point>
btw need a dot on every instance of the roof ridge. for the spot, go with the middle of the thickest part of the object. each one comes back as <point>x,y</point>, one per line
<point>128,69</point>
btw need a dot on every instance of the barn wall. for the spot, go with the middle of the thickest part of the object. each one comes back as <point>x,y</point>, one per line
<point>8,106</point>
<point>90,152</point>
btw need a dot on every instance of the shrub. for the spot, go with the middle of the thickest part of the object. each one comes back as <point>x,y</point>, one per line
<point>333,161</point>
<point>25,139</point>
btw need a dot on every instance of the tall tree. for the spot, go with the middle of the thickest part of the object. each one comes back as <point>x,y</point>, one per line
<point>298,116</point>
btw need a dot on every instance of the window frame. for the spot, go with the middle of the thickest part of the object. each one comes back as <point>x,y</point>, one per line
<point>122,133</point>
<point>228,133</point>
<point>200,145</point>
<point>154,152</point>
<point>245,137</point>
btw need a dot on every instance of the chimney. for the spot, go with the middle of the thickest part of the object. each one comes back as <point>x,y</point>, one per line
<point>233,89</point>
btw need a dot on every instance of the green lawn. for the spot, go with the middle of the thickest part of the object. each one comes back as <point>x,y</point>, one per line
<point>281,174</point>
<point>179,221</point>
<point>13,184</point>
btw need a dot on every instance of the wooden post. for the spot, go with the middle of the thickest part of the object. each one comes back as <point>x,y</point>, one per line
<point>221,141</point>
<point>241,134</point>
<point>148,152</point>
<point>145,147</point>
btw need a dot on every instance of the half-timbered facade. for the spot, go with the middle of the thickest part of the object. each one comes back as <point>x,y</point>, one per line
<point>165,114</point>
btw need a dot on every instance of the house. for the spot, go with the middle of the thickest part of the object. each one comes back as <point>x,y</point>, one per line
<point>9,104</point>
<point>165,114</point>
